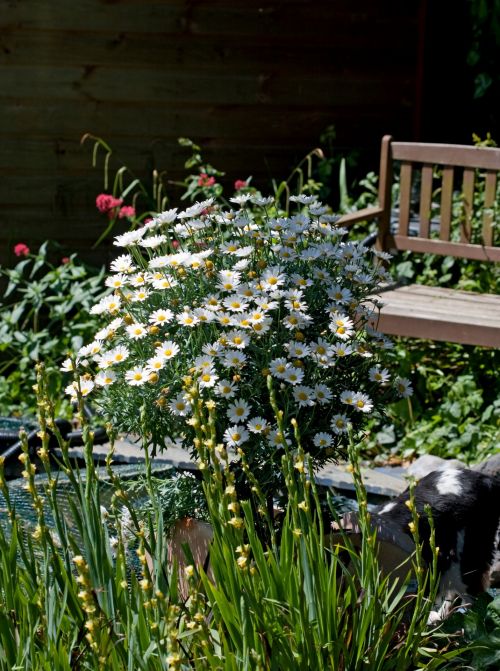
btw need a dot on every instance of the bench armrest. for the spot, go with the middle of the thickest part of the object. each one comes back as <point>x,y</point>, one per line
<point>365,214</point>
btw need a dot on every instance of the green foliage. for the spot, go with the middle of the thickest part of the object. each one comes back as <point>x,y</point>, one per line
<point>481,627</point>
<point>44,313</point>
<point>71,597</point>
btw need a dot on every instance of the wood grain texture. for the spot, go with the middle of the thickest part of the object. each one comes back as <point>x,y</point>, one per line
<point>254,84</point>
<point>440,314</point>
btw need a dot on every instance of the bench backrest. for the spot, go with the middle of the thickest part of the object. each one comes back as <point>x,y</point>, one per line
<point>441,170</point>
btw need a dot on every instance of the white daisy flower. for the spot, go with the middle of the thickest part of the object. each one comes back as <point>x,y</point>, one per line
<point>137,280</point>
<point>403,387</point>
<point>235,435</point>
<point>160,317</point>
<point>164,282</point>
<point>116,281</point>
<point>105,377</point>
<point>243,253</point>
<point>323,439</point>
<point>235,303</point>
<point>320,348</point>
<point>226,388</point>
<point>109,330</point>
<point>67,366</point>
<point>212,349</point>
<point>153,241</point>
<point>262,201</point>
<point>207,378</point>
<point>272,278</point>
<point>203,315</point>
<point>187,319</point>
<point>140,295</point>
<point>297,350</point>
<point>118,354</point>
<point>234,359</point>
<point>339,294</point>
<point>228,280</point>
<point>242,320</point>
<point>300,281</point>
<point>230,247</point>
<point>322,394</point>
<point>241,198</point>
<point>303,199</point>
<point>122,264</point>
<point>278,367</point>
<point>293,375</point>
<point>341,325</point>
<point>340,424</point>
<point>136,376</point>
<point>168,349</point>
<point>347,397</point>
<point>237,338</point>
<point>155,363</point>
<point>203,362</point>
<point>277,439</point>
<point>341,350</point>
<point>265,304</point>
<point>166,217</point>
<point>362,402</point>
<point>225,318</point>
<point>238,411</point>
<point>110,304</point>
<point>136,331</point>
<point>179,405</point>
<point>129,238</point>
<point>377,375</point>
<point>195,209</point>
<point>304,395</point>
<point>84,386</point>
<point>212,303</point>
<point>257,425</point>
<point>385,256</point>
<point>296,320</point>
<point>262,326</point>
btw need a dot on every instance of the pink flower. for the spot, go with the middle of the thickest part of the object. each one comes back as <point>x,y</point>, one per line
<point>21,249</point>
<point>65,260</point>
<point>240,184</point>
<point>205,180</point>
<point>126,211</point>
<point>105,202</point>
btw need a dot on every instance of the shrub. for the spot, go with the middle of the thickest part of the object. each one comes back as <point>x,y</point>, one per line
<point>43,315</point>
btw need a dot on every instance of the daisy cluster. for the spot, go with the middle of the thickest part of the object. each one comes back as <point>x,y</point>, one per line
<point>225,299</point>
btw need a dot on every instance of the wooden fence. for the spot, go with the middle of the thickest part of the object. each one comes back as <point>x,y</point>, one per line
<point>254,83</point>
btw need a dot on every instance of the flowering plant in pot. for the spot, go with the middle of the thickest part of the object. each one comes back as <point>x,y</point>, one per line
<point>218,306</point>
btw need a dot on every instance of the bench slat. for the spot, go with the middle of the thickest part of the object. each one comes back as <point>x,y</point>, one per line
<point>459,249</point>
<point>468,203</point>
<point>405,198</point>
<point>490,190</point>
<point>446,203</point>
<point>425,200</point>
<point>487,158</point>
<point>440,314</point>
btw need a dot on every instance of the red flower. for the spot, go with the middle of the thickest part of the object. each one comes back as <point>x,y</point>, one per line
<point>127,211</point>
<point>105,202</point>
<point>240,184</point>
<point>205,180</point>
<point>65,260</point>
<point>21,249</point>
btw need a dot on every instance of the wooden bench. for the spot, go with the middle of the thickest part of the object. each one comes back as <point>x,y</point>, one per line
<point>425,311</point>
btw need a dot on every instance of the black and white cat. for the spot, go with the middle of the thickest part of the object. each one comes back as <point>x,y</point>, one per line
<point>465,507</point>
